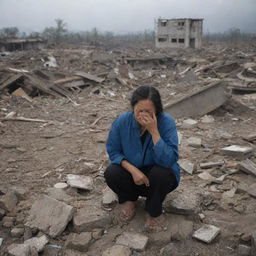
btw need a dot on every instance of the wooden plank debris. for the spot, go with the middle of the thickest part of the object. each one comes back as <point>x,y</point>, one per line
<point>13,79</point>
<point>20,93</point>
<point>90,77</point>
<point>23,119</point>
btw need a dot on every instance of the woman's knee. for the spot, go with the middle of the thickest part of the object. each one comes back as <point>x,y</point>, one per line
<point>161,174</point>
<point>115,172</point>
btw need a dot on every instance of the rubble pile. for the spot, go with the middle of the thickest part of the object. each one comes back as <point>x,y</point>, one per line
<point>56,108</point>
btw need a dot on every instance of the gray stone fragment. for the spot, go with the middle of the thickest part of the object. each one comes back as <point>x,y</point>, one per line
<point>207,119</point>
<point>109,197</point>
<point>37,242</point>
<point>168,250</point>
<point>8,222</point>
<point>1,241</point>
<point>182,202</point>
<point>133,240</point>
<point>207,233</point>
<point>244,250</point>
<point>211,164</point>
<point>189,123</point>
<point>187,166</point>
<point>19,250</point>
<point>195,142</point>
<point>239,152</point>
<point>117,250</point>
<point>253,243</point>
<point>61,185</point>
<point>79,181</point>
<point>80,242</point>
<point>247,166</point>
<point>59,194</point>
<point>9,201</point>
<point>2,213</point>
<point>49,215</point>
<point>17,232</point>
<point>91,217</point>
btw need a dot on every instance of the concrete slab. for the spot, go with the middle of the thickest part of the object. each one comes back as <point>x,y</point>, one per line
<point>79,181</point>
<point>187,166</point>
<point>247,166</point>
<point>200,102</point>
<point>135,241</point>
<point>211,164</point>
<point>240,152</point>
<point>207,233</point>
<point>80,242</point>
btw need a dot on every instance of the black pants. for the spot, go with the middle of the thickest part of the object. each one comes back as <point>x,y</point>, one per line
<point>161,180</point>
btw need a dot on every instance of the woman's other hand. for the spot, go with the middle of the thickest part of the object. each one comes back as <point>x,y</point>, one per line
<point>139,177</point>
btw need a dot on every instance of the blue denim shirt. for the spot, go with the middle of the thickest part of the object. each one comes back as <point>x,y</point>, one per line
<point>124,143</point>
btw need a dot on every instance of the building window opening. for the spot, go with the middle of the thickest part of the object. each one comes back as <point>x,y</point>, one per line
<point>163,23</point>
<point>181,23</point>
<point>181,40</point>
<point>174,40</point>
<point>162,39</point>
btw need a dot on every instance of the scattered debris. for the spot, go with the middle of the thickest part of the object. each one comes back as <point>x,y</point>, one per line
<point>82,182</point>
<point>237,151</point>
<point>207,233</point>
<point>247,166</point>
<point>187,166</point>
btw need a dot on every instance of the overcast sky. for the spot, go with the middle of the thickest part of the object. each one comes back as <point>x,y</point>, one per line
<point>126,15</point>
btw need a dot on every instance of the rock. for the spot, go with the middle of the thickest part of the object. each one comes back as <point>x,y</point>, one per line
<point>89,218</point>
<point>189,123</point>
<point>19,250</point>
<point>1,241</point>
<point>133,240</point>
<point>187,166</point>
<point>117,250</point>
<point>27,233</point>
<point>247,166</point>
<point>207,233</point>
<point>207,119</point>
<point>59,194</point>
<point>244,250</point>
<point>250,189</point>
<point>61,185</point>
<point>211,164</point>
<point>206,176</point>
<point>9,201</point>
<point>20,192</point>
<point>8,222</point>
<point>2,213</point>
<point>37,242</point>
<point>195,142</point>
<point>79,242</point>
<point>97,233</point>
<point>239,152</point>
<point>168,250</point>
<point>52,218</point>
<point>17,232</point>
<point>182,201</point>
<point>109,197</point>
<point>82,182</point>
<point>229,194</point>
<point>253,243</point>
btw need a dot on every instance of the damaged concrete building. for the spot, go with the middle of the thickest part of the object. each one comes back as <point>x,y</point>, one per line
<point>20,44</point>
<point>179,33</point>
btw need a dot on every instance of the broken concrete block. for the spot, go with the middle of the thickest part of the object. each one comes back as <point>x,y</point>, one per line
<point>117,250</point>
<point>59,194</point>
<point>207,119</point>
<point>52,218</point>
<point>89,218</point>
<point>187,166</point>
<point>247,166</point>
<point>182,202</point>
<point>2,213</point>
<point>19,250</point>
<point>195,142</point>
<point>206,176</point>
<point>133,240</point>
<point>189,123</point>
<point>61,185</point>
<point>207,233</point>
<point>78,181</point>
<point>79,242</point>
<point>9,201</point>
<point>109,197</point>
<point>252,190</point>
<point>229,194</point>
<point>1,241</point>
<point>237,151</point>
<point>37,242</point>
<point>211,164</point>
<point>17,232</point>
<point>8,222</point>
<point>244,250</point>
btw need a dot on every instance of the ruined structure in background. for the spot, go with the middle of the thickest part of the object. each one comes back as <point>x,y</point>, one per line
<point>179,33</point>
<point>20,44</point>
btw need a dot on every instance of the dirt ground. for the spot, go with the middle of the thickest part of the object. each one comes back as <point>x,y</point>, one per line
<point>35,156</point>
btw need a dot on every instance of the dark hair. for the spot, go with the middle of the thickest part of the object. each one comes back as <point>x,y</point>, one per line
<point>147,93</point>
